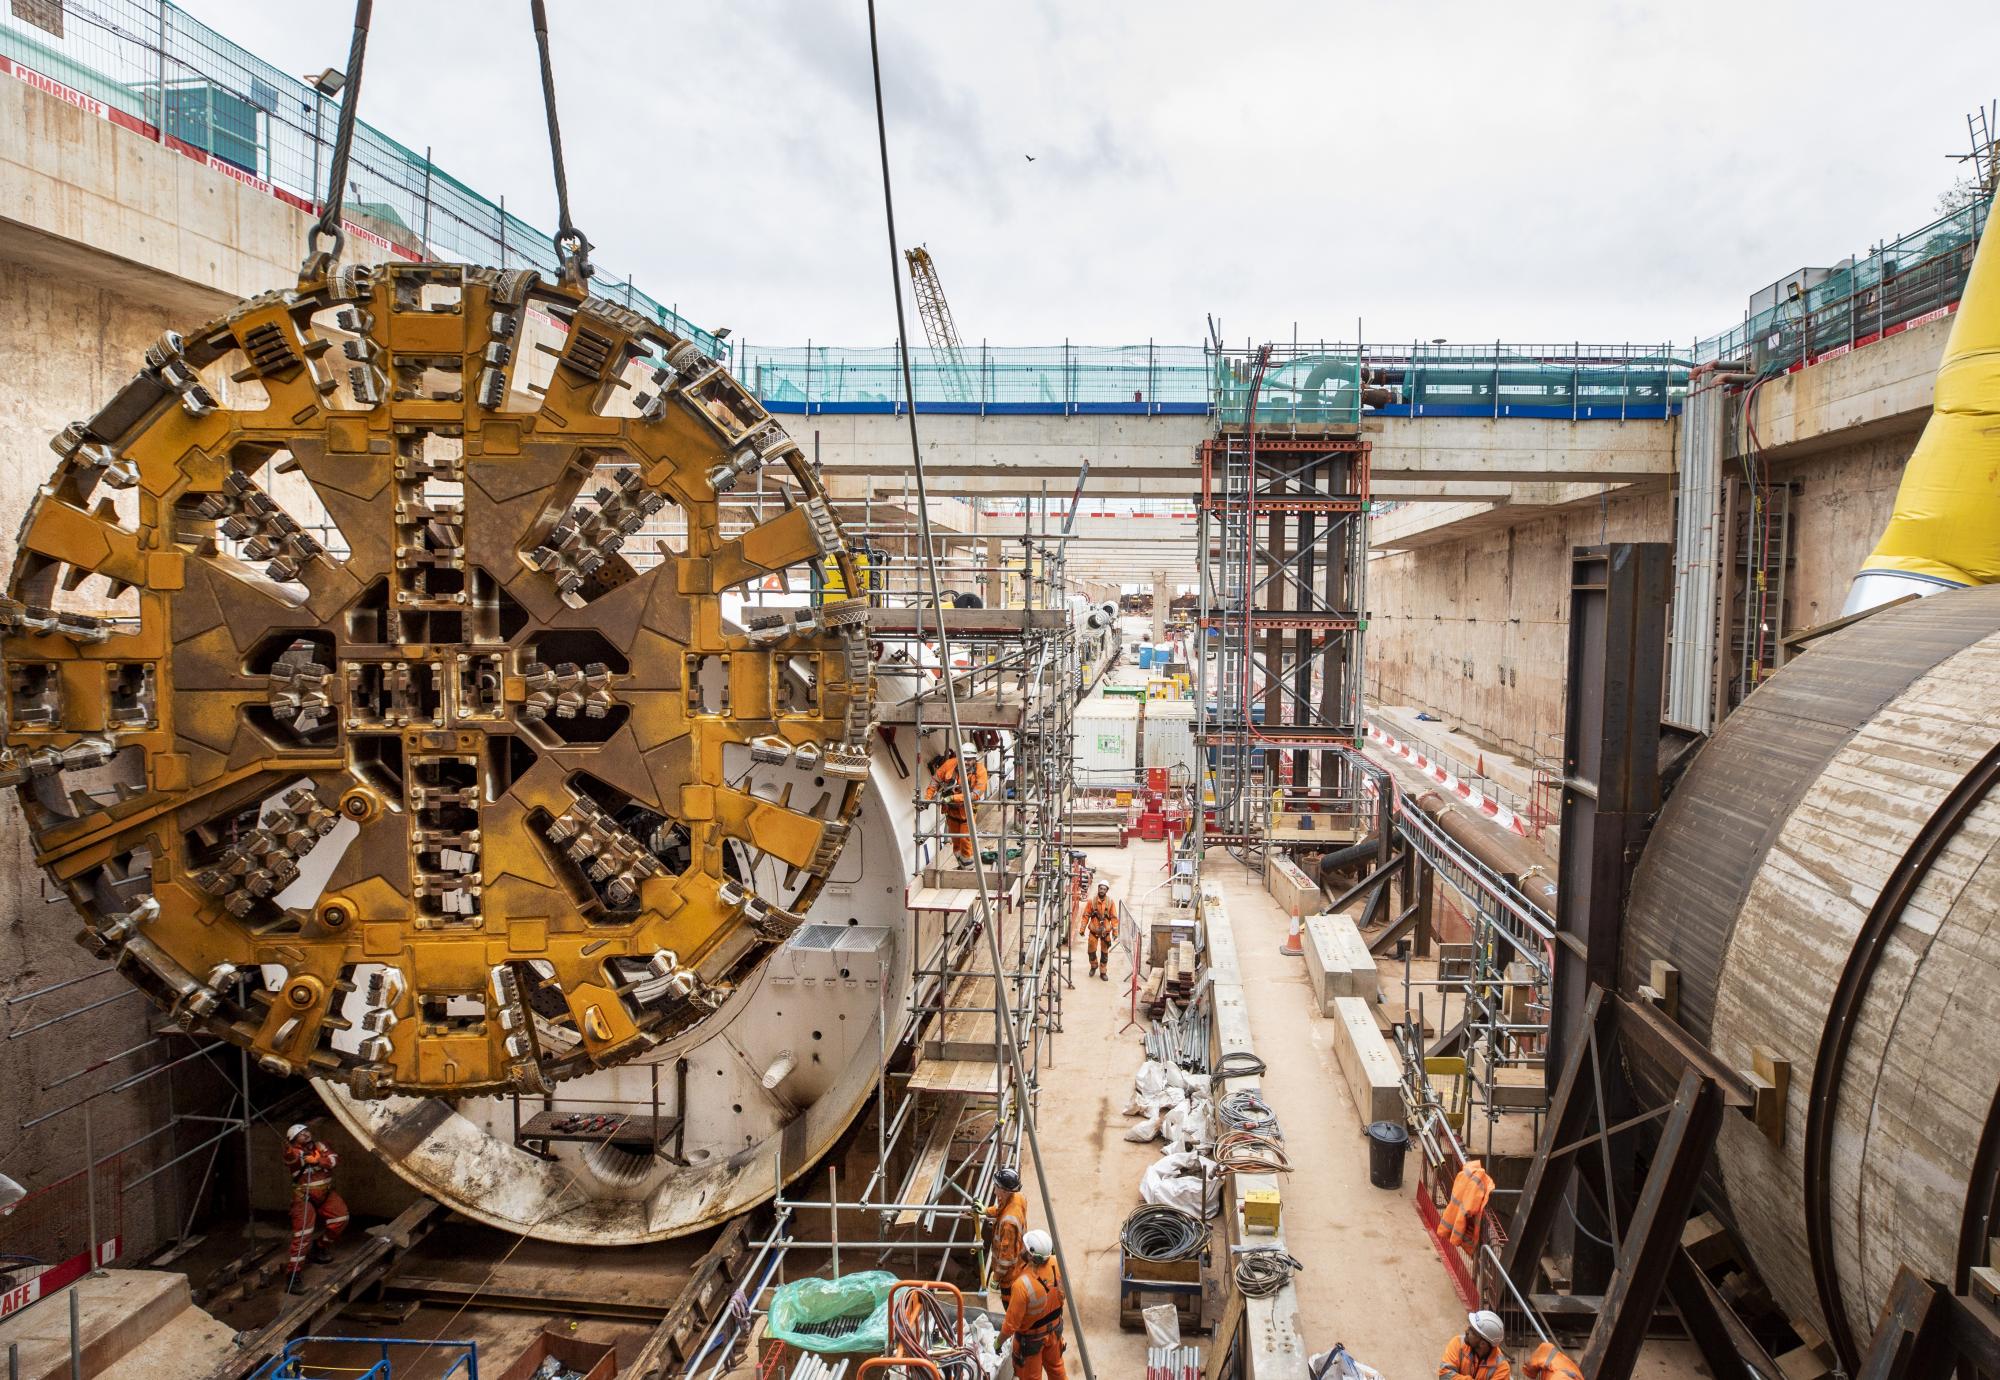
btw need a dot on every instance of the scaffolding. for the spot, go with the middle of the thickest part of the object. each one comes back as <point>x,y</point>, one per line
<point>1282,526</point>
<point>948,1115</point>
<point>169,1106</point>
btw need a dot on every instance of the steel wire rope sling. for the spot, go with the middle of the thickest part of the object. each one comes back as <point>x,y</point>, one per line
<point>1238,1063</point>
<point>1005,1033</point>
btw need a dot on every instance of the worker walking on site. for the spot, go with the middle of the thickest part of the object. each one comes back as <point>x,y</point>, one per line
<point>1474,1354</point>
<point>1100,928</point>
<point>1551,1362</point>
<point>1035,1314</point>
<point>1008,1217</point>
<point>314,1201</point>
<point>957,783</point>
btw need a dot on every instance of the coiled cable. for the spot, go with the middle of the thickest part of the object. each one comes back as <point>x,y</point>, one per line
<point>1160,1232</point>
<point>1248,1111</point>
<point>1263,1271</point>
<point>1239,1063</point>
<point>1251,1152</point>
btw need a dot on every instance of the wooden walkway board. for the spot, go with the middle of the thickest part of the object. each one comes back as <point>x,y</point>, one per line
<point>929,1168</point>
<point>974,1077</point>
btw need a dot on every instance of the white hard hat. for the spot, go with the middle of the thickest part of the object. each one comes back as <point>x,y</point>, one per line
<point>298,1129</point>
<point>1488,1325</point>
<point>1038,1244</point>
<point>967,750</point>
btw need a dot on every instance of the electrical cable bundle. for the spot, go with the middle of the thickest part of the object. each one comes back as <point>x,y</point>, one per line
<point>1248,1111</point>
<point>1262,1271</point>
<point>1252,1152</point>
<point>1158,1232</point>
<point>924,1315</point>
<point>1239,1064</point>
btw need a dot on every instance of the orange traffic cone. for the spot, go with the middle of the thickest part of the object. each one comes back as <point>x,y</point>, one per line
<point>1294,945</point>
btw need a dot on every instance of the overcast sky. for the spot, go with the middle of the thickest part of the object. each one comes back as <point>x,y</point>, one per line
<point>1521,171</point>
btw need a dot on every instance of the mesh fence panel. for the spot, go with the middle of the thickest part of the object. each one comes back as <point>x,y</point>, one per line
<point>980,376</point>
<point>1907,278</point>
<point>190,85</point>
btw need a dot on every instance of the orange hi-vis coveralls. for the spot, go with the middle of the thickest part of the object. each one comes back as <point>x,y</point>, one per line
<point>1034,1322</point>
<point>1010,1225</point>
<point>313,1199</point>
<point>1458,1225</point>
<point>957,802</point>
<point>1460,1364</point>
<point>1550,1363</point>
<point>1100,928</point>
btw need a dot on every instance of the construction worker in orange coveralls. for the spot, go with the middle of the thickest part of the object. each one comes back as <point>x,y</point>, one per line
<point>957,782</point>
<point>1009,1216</point>
<point>1550,1363</point>
<point>1035,1314</point>
<point>1475,1353</point>
<point>313,1199</point>
<point>1100,928</point>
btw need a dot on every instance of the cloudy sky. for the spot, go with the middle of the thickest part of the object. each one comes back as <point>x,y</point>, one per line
<point>1521,171</point>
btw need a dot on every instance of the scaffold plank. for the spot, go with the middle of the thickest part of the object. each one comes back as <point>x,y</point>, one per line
<point>973,1077</point>
<point>966,623</point>
<point>929,1167</point>
<point>982,711</point>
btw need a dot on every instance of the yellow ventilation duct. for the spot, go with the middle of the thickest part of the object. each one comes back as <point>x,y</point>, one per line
<point>1945,530</point>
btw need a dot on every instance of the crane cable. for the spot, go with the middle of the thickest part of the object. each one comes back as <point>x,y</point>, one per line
<point>572,246</point>
<point>320,261</point>
<point>1006,1033</point>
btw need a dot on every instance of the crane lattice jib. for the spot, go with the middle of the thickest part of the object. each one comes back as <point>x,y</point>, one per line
<point>939,329</point>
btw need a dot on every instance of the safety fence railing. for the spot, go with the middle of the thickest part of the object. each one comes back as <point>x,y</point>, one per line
<point>325,1356</point>
<point>151,68</point>
<point>1306,385</point>
<point>1858,301</point>
<point>1146,380</point>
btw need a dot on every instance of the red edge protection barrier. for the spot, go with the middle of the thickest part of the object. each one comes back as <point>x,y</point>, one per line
<point>1454,1263</point>
<point>59,1275</point>
<point>1472,796</point>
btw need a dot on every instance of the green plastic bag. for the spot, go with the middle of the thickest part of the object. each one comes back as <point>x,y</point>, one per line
<point>860,1302</point>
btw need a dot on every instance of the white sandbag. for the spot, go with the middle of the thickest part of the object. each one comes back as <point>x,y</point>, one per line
<point>1177,1181</point>
<point>1142,1131</point>
<point>985,1345</point>
<point>1163,1324</point>
<point>1187,1125</point>
<point>1147,1085</point>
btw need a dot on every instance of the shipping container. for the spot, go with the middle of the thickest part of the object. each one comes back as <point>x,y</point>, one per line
<point>1170,736</point>
<point>1107,736</point>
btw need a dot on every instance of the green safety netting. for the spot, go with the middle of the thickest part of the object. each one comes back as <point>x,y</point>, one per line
<point>848,1314</point>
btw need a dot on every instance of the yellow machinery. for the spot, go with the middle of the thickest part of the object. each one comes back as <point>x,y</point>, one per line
<point>1944,532</point>
<point>343,712</point>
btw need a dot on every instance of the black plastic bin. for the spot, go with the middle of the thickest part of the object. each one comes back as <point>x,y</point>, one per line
<point>1388,1142</point>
